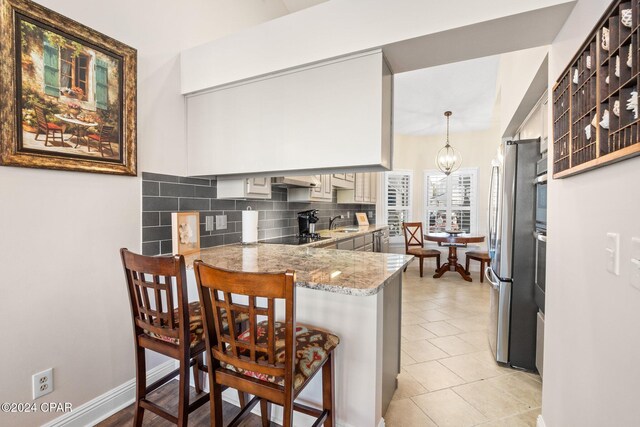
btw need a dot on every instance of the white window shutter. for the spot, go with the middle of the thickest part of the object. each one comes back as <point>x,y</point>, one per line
<point>398,201</point>
<point>451,201</point>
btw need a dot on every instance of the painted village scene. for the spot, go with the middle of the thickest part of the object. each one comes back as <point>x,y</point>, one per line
<point>70,96</point>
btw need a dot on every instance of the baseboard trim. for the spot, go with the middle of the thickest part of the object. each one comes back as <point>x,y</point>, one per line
<point>540,421</point>
<point>276,412</point>
<point>102,407</point>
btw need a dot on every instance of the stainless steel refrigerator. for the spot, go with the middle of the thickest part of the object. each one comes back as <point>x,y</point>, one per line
<point>512,328</point>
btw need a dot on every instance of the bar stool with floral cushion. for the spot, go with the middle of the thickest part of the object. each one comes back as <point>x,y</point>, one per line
<point>272,360</point>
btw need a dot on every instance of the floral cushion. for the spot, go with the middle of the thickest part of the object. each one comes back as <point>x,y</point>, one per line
<point>196,329</point>
<point>312,349</point>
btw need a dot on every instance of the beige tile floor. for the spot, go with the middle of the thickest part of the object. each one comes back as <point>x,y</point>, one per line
<point>449,377</point>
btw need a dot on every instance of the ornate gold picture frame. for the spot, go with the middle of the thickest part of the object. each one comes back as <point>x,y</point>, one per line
<point>68,94</point>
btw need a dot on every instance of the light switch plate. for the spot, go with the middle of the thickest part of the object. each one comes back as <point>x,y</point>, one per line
<point>612,251</point>
<point>634,278</point>
<point>635,247</point>
<point>208,223</point>
<point>221,222</point>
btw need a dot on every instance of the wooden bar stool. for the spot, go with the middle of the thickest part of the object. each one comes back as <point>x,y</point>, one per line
<point>273,360</point>
<point>483,257</point>
<point>414,244</point>
<point>159,326</point>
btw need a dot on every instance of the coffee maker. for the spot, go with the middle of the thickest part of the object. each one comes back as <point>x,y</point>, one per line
<point>307,223</point>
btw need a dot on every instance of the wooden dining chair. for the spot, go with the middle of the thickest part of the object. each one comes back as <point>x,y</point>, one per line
<point>272,360</point>
<point>484,259</point>
<point>414,244</point>
<point>103,138</point>
<point>50,130</point>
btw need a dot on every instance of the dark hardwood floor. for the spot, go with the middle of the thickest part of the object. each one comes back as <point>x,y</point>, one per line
<point>167,397</point>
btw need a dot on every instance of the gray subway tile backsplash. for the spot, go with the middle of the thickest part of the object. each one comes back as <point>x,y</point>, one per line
<point>168,189</point>
<point>163,194</point>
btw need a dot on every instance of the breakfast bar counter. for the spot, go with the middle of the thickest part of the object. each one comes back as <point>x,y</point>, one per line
<point>343,272</point>
<point>356,295</point>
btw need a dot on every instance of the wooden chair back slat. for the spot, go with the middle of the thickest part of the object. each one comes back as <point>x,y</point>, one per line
<point>106,132</point>
<point>41,117</point>
<point>271,329</point>
<point>151,282</point>
<point>413,236</point>
<point>241,348</point>
<point>252,328</point>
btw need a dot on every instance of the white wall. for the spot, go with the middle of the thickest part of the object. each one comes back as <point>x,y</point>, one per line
<point>418,153</point>
<point>592,339</point>
<point>62,290</point>
<point>516,72</point>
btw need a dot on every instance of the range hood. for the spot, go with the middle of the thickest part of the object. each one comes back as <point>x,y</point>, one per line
<point>296,181</point>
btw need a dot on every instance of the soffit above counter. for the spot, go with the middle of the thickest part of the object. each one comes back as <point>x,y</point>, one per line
<point>411,27</point>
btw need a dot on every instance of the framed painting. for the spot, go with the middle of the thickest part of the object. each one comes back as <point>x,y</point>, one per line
<point>69,94</point>
<point>362,218</point>
<point>185,232</point>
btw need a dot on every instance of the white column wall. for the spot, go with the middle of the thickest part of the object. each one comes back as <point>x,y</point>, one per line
<point>592,344</point>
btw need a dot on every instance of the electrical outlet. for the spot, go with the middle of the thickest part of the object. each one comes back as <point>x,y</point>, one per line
<point>208,223</point>
<point>42,383</point>
<point>221,222</point>
<point>348,214</point>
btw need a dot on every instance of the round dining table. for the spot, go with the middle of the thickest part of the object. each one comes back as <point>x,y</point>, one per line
<point>79,128</point>
<point>453,241</point>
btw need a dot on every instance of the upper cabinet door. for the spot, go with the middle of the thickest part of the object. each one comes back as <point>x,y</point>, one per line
<point>366,188</point>
<point>359,191</point>
<point>327,188</point>
<point>289,121</point>
<point>317,192</point>
<point>259,186</point>
<point>373,189</point>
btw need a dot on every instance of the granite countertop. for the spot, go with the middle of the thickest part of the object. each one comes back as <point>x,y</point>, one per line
<point>346,272</point>
<point>336,234</point>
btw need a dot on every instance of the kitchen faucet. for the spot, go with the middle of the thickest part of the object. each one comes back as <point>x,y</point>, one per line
<point>332,220</point>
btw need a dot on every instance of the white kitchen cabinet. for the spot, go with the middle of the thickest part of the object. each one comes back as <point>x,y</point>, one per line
<point>321,193</point>
<point>343,180</point>
<point>266,124</point>
<point>366,187</point>
<point>365,190</point>
<point>249,188</point>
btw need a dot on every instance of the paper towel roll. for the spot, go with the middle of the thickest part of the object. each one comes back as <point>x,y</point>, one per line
<point>249,226</point>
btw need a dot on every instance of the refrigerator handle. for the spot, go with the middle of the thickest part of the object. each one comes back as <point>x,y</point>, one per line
<point>491,229</point>
<point>489,276</point>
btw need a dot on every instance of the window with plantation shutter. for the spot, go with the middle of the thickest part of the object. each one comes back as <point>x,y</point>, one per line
<point>450,201</point>
<point>398,201</point>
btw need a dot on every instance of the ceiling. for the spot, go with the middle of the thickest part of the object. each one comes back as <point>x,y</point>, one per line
<point>467,88</point>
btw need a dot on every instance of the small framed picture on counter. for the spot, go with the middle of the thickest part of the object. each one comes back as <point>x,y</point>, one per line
<point>362,218</point>
<point>185,232</point>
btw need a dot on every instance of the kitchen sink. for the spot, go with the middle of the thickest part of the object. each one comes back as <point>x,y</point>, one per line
<point>348,230</point>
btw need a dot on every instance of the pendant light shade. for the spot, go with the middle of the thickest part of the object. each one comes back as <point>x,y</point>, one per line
<point>448,159</point>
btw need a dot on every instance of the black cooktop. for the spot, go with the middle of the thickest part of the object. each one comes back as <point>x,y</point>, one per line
<point>294,240</point>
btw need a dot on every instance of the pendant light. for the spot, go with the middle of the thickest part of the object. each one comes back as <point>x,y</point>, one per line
<point>448,159</point>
